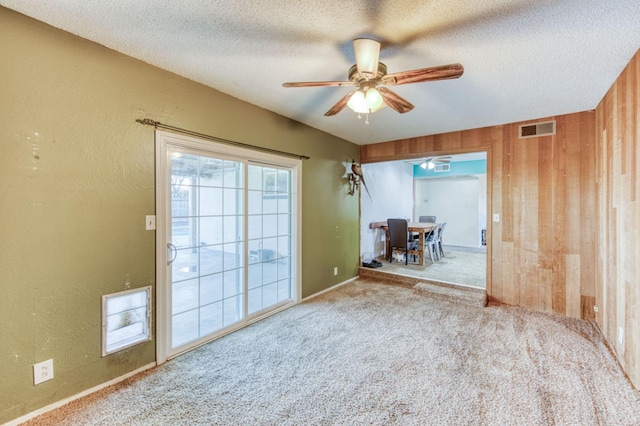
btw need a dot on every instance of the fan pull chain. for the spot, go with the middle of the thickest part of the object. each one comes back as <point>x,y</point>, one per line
<point>366,120</point>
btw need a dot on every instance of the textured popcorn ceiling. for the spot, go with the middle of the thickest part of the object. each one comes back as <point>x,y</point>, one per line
<point>523,59</point>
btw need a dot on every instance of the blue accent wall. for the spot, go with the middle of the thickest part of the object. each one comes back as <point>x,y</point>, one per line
<point>475,167</point>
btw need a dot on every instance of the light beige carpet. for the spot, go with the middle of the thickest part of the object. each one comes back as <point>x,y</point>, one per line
<point>460,267</point>
<point>375,354</point>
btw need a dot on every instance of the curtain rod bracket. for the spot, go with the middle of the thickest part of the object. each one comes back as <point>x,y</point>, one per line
<point>148,122</point>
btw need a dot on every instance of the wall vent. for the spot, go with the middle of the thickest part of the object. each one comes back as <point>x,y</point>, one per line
<point>442,167</point>
<point>536,130</point>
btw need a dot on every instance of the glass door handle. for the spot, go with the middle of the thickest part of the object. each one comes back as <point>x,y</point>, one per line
<point>172,254</point>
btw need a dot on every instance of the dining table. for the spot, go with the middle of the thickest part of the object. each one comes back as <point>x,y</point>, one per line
<point>420,228</point>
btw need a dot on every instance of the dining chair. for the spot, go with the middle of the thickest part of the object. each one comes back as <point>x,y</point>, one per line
<point>430,243</point>
<point>423,219</point>
<point>399,238</point>
<point>439,246</point>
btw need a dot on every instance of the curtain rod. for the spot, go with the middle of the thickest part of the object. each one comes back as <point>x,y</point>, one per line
<point>159,125</point>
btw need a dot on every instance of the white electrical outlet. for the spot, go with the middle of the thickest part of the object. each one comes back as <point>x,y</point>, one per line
<point>496,217</point>
<point>42,371</point>
<point>595,308</point>
<point>150,222</point>
<point>335,270</point>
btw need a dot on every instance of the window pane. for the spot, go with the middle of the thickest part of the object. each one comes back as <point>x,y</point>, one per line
<point>254,251</point>
<point>233,201</point>
<point>284,290</point>
<point>283,224</point>
<point>270,294</point>
<point>269,177</point>
<point>269,272</point>
<point>255,227</point>
<point>185,328</point>
<point>233,256</point>
<point>233,226</point>
<point>211,170</point>
<point>183,232</point>
<point>210,318</point>
<point>184,169</point>
<point>210,230</point>
<point>284,204</point>
<point>210,201</point>
<point>255,202</point>
<point>232,174</point>
<point>255,300</point>
<point>211,259</point>
<point>284,246</point>
<point>283,181</point>
<point>255,177</point>
<point>233,283</point>
<point>184,296</point>
<point>210,289</point>
<point>269,249</point>
<point>232,310</point>
<point>270,225</point>
<point>269,203</point>
<point>284,268</point>
<point>255,275</point>
<point>185,265</point>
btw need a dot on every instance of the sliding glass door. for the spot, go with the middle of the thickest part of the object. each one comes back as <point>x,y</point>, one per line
<point>206,244</point>
<point>269,236</point>
<point>230,231</point>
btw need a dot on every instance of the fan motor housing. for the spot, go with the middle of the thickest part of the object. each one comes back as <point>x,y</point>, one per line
<point>354,75</point>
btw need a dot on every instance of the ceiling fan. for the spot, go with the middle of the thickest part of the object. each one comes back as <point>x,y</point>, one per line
<point>430,163</point>
<point>370,77</point>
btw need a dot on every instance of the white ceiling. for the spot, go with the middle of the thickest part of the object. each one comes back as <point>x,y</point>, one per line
<point>523,59</point>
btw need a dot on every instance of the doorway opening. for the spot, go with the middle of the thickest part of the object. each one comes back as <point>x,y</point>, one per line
<point>458,195</point>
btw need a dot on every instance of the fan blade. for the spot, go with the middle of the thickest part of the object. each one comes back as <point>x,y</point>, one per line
<point>318,83</point>
<point>443,72</point>
<point>394,101</point>
<point>339,106</point>
<point>367,53</point>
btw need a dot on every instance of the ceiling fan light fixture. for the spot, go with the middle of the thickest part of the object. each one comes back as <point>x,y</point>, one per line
<point>358,102</point>
<point>374,99</point>
<point>366,101</point>
<point>427,164</point>
<point>367,53</point>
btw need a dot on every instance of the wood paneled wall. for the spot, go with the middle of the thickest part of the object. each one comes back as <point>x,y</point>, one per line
<point>618,272</point>
<point>542,253</point>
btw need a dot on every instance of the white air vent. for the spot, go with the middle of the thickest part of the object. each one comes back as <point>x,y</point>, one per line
<point>536,130</point>
<point>442,168</point>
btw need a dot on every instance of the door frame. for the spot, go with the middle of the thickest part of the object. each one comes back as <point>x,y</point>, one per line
<point>163,140</point>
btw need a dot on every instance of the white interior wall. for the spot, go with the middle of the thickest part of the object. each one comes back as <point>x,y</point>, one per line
<point>391,188</point>
<point>456,201</point>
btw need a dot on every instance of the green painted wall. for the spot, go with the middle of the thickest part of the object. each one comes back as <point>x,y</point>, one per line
<point>77,179</point>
